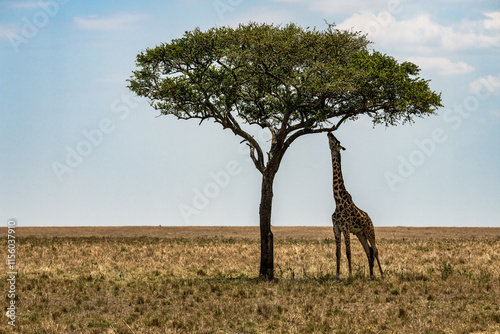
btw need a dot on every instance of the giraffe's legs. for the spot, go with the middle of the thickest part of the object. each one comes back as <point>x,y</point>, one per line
<point>369,252</point>
<point>336,232</point>
<point>347,237</point>
<point>371,240</point>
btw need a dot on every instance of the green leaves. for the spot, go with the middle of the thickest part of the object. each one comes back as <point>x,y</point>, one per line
<point>281,77</point>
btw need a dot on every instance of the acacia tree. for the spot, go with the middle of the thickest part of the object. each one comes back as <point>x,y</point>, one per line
<point>287,79</point>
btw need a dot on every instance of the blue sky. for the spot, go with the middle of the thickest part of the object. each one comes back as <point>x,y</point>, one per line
<point>77,148</point>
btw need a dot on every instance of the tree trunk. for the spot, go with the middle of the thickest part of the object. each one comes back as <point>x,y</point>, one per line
<point>266,235</point>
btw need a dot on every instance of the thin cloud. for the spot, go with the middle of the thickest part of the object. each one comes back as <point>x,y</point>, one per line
<point>493,21</point>
<point>441,65</point>
<point>115,22</point>
<point>489,84</point>
<point>6,31</point>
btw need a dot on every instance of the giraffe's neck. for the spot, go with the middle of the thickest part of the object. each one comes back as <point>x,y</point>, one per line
<point>340,194</point>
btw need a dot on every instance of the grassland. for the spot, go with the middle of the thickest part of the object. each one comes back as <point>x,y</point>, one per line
<point>203,280</point>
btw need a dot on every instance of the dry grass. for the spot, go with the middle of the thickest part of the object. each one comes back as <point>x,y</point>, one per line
<point>207,284</point>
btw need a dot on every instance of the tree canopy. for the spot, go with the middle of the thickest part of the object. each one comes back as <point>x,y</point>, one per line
<point>290,80</point>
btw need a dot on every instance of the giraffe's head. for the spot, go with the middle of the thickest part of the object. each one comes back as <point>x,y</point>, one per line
<point>334,143</point>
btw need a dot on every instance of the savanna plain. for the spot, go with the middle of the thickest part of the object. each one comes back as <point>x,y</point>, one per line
<point>204,280</point>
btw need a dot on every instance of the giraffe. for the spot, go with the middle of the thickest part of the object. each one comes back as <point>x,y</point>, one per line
<point>348,218</point>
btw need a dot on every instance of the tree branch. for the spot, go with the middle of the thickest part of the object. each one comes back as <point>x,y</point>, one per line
<point>257,163</point>
<point>343,119</point>
<point>309,130</point>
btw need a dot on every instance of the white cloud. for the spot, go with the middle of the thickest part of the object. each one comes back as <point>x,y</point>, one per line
<point>419,33</point>
<point>115,22</point>
<point>441,65</point>
<point>368,22</point>
<point>487,87</point>
<point>493,22</point>
<point>489,84</point>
